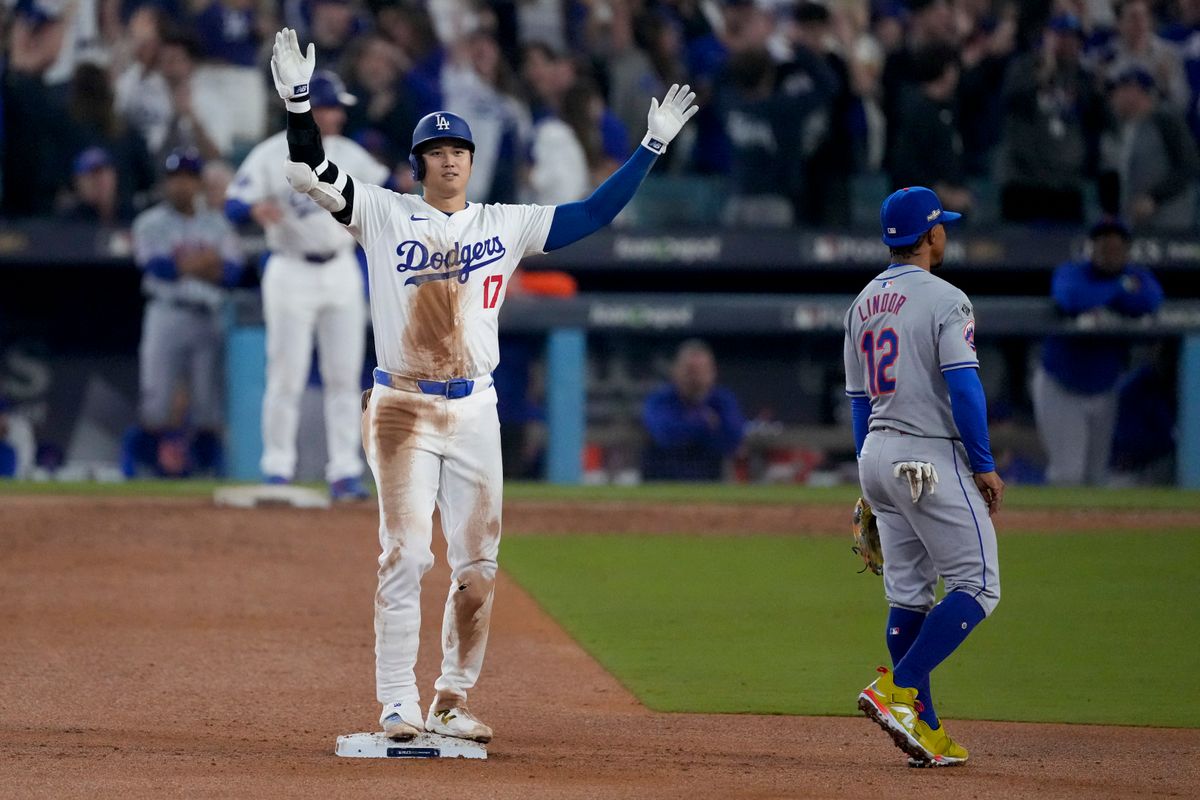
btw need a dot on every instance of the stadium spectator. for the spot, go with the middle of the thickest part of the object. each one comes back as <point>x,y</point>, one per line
<point>410,28</point>
<point>766,133</point>
<point>480,86</point>
<point>987,49</point>
<point>631,72</point>
<point>1053,115</point>
<point>1137,46</point>
<point>928,146</point>
<point>818,77</point>
<point>1149,158</point>
<point>51,38</point>
<point>94,198</point>
<point>1184,33</point>
<point>603,137</point>
<point>694,425</point>
<point>228,32</point>
<point>155,93</point>
<point>1075,385</point>
<point>558,168</point>
<point>92,121</point>
<point>383,119</point>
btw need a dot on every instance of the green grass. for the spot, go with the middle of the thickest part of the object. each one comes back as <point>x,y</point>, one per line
<point>1021,497</point>
<point>1092,627</point>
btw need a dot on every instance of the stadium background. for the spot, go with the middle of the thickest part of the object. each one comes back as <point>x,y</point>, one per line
<point>804,127</point>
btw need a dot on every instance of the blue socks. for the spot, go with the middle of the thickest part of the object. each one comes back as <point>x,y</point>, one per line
<point>903,625</point>
<point>947,625</point>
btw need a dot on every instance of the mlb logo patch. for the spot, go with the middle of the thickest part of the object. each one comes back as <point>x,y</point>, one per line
<point>894,631</point>
<point>888,284</point>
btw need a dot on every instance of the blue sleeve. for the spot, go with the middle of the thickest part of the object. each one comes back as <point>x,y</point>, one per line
<point>231,273</point>
<point>733,424</point>
<point>162,267</point>
<point>573,221</point>
<point>860,416</point>
<point>969,407</point>
<point>236,211</point>
<point>1146,299</point>
<point>1075,291</point>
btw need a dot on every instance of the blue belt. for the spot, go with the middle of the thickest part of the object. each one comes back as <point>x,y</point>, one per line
<point>452,389</point>
<point>319,258</point>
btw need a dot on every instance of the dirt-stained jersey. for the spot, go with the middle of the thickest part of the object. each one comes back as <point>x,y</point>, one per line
<point>437,280</point>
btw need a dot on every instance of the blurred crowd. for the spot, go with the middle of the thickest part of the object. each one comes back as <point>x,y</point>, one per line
<point>1057,111</point>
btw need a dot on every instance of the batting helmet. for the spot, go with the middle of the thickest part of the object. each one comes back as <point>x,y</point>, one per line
<point>432,127</point>
<point>325,89</point>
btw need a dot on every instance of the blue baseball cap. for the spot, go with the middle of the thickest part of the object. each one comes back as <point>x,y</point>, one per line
<point>91,159</point>
<point>908,213</point>
<point>183,159</point>
<point>326,89</point>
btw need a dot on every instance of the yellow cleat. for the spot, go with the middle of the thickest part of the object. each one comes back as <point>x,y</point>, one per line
<point>894,708</point>
<point>946,752</point>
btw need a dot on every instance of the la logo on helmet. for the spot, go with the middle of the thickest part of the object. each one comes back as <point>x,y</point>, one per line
<point>443,124</point>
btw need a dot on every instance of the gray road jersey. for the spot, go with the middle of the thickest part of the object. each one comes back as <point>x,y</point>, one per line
<point>160,230</point>
<point>903,332</point>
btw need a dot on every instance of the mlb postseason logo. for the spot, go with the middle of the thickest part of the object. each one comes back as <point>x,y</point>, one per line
<point>443,124</point>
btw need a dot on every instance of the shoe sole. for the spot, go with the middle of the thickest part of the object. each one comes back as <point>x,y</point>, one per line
<point>407,734</point>
<point>938,762</point>
<point>900,736</point>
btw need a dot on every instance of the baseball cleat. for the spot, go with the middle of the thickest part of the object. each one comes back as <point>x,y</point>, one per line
<point>458,722</point>
<point>894,708</point>
<point>946,751</point>
<point>348,490</point>
<point>401,721</point>
<point>276,480</point>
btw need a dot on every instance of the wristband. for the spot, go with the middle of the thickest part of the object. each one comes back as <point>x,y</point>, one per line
<point>654,144</point>
<point>298,105</point>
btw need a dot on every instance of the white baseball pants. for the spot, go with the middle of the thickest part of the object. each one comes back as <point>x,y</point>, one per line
<point>300,301</point>
<point>426,449</point>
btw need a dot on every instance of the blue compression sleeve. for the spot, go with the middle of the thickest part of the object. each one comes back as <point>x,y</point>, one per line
<point>969,407</point>
<point>573,221</point>
<point>231,274</point>
<point>162,267</point>
<point>236,211</point>
<point>860,415</point>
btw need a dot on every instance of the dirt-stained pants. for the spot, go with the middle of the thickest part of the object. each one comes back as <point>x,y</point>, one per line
<point>426,449</point>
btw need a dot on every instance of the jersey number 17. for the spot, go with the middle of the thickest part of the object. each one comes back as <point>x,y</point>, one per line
<point>881,351</point>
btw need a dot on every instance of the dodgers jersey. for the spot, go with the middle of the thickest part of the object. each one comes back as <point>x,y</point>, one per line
<point>305,227</point>
<point>161,231</point>
<point>902,332</point>
<point>437,280</point>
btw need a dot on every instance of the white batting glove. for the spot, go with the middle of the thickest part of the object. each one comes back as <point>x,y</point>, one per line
<point>664,122</point>
<point>921,476</point>
<point>292,70</point>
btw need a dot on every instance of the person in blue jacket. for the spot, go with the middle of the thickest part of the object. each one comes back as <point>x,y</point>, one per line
<point>1075,386</point>
<point>694,425</point>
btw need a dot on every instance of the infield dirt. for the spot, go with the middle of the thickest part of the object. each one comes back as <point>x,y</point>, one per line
<point>163,648</point>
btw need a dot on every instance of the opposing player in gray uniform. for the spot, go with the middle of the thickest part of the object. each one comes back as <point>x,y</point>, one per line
<point>925,463</point>
<point>189,255</point>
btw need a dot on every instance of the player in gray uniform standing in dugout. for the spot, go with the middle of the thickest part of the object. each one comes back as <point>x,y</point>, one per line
<point>925,463</point>
<point>189,255</point>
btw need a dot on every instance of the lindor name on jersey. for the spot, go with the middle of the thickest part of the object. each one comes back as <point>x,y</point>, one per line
<point>415,257</point>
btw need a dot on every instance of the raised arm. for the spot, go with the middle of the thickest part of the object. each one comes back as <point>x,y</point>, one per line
<point>573,221</point>
<point>307,169</point>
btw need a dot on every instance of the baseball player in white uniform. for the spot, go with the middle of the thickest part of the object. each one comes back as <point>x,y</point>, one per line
<point>311,286</point>
<point>439,268</point>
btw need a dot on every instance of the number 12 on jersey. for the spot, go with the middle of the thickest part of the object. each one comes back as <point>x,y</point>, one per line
<point>490,295</point>
<point>881,351</point>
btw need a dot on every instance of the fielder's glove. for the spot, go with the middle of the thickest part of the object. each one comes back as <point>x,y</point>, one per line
<point>866,538</point>
<point>921,476</point>
<point>665,121</point>
<point>292,69</point>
